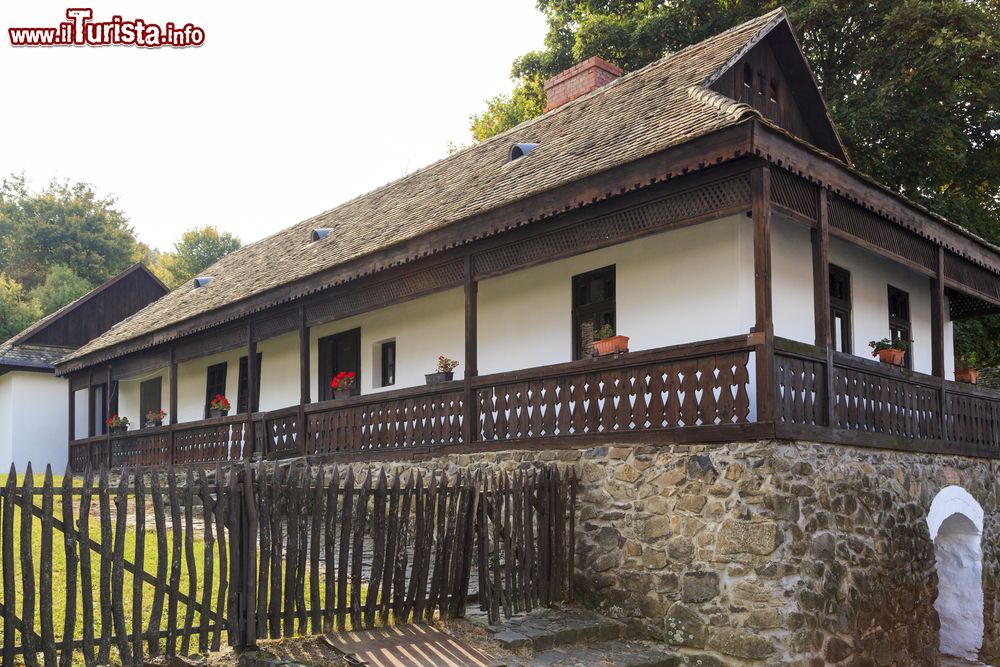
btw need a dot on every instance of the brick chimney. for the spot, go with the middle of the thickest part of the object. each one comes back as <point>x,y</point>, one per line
<point>579,80</point>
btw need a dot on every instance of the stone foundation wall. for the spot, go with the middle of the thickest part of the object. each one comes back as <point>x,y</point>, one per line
<point>767,553</point>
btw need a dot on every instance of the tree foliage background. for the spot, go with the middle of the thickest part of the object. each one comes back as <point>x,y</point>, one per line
<point>59,242</point>
<point>913,86</point>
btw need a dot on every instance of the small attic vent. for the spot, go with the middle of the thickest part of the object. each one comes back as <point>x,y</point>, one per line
<point>320,234</point>
<point>518,151</point>
<point>201,281</point>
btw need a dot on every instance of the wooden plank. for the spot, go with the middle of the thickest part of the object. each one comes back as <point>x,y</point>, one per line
<point>139,549</point>
<point>45,573</point>
<point>27,564</point>
<point>496,592</point>
<point>264,481</point>
<point>315,539</point>
<point>86,585</point>
<point>118,570</point>
<point>208,510</point>
<point>292,504</point>
<point>175,561</point>
<point>378,550</point>
<point>426,542</point>
<point>508,547</point>
<point>402,555</point>
<point>278,493</point>
<point>330,550</point>
<point>189,556</point>
<point>7,541</point>
<point>357,555</point>
<point>237,546</point>
<point>156,608</point>
<point>220,506</point>
<point>392,528</point>
<point>345,544</point>
<point>72,562</point>
<point>107,554</point>
<point>302,516</point>
<point>440,544</point>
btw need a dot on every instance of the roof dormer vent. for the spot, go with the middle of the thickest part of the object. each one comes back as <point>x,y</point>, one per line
<point>320,234</point>
<point>201,281</point>
<point>518,151</point>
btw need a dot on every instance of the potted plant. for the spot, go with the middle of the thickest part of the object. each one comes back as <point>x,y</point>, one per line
<point>967,368</point>
<point>890,351</point>
<point>116,423</point>
<point>342,383</point>
<point>445,371</point>
<point>154,418</point>
<point>218,406</point>
<point>606,342</point>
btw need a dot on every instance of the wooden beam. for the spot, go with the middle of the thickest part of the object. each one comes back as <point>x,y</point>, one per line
<point>760,186</point>
<point>107,412</point>
<point>172,397</point>
<point>253,391</point>
<point>821,273</point>
<point>938,312</point>
<point>304,379</point>
<point>91,407</point>
<point>72,411</point>
<point>471,351</point>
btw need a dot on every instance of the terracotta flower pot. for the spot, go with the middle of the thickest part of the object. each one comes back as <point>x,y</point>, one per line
<point>341,393</point>
<point>218,413</point>
<point>891,356</point>
<point>967,375</point>
<point>438,378</point>
<point>612,345</point>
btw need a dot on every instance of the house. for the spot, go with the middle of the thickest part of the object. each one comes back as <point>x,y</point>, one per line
<point>705,207</point>
<point>33,409</point>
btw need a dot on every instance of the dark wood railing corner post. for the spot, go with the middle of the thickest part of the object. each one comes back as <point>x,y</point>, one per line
<point>938,316</point>
<point>821,298</point>
<point>253,395</point>
<point>470,412</point>
<point>763,330</point>
<point>172,398</point>
<point>304,380</point>
<point>107,412</point>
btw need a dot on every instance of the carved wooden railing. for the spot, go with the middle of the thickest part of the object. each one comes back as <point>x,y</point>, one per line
<point>702,385</point>
<point>867,402</point>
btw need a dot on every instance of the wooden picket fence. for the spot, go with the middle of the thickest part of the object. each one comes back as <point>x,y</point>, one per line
<point>166,561</point>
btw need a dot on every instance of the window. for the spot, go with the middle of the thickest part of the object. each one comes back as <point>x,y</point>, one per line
<point>339,352</point>
<point>215,383</point>
<point>387,363</point>
<point>150,394</point>
<point>840,308</point>
<point>98,427</point>
<point>593,307</point>
<point>899,318</point>
<point>242,395</point>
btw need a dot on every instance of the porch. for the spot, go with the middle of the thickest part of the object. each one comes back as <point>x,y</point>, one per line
<point>709,391</point>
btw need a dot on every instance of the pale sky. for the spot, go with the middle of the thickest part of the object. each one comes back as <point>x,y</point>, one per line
<point>287,110</point>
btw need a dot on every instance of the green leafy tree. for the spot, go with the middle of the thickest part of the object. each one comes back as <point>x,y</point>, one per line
<point>61,286</point>
<point>913,86</point>
<point>64,223</point>
<point>196,250</point>
<point>16,311</point>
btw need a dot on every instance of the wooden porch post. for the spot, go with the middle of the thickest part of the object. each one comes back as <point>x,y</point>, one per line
<point>760,187</point>
<point>821,296</point>
<point>471,352</point>
<point>304,379</point>
<point>173,401</point>
<point>107,412</point>
<point>91,431</point>
<point>253,395</point>
<point>938,317</point>
<point>937,339</point>
<point>72,411</point>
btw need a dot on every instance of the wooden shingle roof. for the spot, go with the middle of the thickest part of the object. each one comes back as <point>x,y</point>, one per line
<point>659,106</point>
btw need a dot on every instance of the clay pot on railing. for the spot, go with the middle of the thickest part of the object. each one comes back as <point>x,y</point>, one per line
<point>215,413</point>
<point>967,375</point>
<point>339,394</point>
<point>610,345</point>
<point>891,356</point>
<point>119,429</point>
<point>439,377</point>
<point>154,423</point>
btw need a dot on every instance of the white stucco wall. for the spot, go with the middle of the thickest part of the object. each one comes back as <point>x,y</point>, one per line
<point>33,414</point>
<point>870,277</point>
<point>128,396</point>
<point>423,329</point>
<point>671,288</point>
